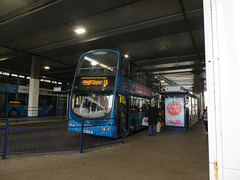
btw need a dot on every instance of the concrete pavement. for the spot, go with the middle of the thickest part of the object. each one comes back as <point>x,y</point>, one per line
<point>167,156</point>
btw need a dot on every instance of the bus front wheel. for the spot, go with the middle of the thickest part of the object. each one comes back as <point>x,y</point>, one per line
<point>13,113</point>
<point>132,127</point>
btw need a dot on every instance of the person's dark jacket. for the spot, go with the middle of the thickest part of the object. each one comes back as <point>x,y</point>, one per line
<point>153,115</point>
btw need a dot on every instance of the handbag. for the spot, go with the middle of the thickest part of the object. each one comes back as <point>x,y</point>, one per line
<point>145,121</point>
<point>158,127</point>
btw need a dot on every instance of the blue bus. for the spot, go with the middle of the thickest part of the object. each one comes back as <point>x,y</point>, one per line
<point>14,101</point>
<point>107,88</point>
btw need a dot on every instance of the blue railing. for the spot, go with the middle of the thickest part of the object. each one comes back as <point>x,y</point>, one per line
<point>28,136</point>
<point>16,111</point>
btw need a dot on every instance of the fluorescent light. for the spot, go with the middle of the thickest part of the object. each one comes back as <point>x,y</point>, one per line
<point>103,65</point>
<point>3,59</point>
<point>80,31</point>
<point>93,62</point>
<point>46,80</point>
<point>162,81</point>
<point>6,73</point>
<point>14,75</point>
<point>46,67</point>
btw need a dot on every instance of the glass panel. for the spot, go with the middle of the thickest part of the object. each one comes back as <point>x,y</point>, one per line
<point>18,99</point>
<point>47,100</point>
<point>144,104</point>
<point>125,68</point>
<point>92,105</point>
<point>2,104</point>
<point>98,62</point>
<point>134,72</point>
<point>94,84</point>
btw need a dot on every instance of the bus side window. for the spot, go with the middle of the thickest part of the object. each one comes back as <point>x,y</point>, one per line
<point>125,70</point>
<point>144,108</point>
<point>134,73</point>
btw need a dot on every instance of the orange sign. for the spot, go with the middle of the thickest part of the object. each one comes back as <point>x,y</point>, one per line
<point>94,81</point>
<point>14,102</point>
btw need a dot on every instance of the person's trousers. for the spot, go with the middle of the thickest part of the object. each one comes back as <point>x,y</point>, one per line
<point>206,125</point>
<point>152,130</point>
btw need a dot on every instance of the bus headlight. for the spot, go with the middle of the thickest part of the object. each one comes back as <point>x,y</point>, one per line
<point>73,125</point>
<point>103,129</point>
<point>70,124</point>
<point>108,129</point>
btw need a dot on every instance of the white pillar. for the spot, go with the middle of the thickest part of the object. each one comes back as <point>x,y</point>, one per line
<point>34,88</point>
<point>222,43</point>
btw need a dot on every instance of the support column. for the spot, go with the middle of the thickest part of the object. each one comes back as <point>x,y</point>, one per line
<point>198,84</point>
<point>34,88</point>
<point>198,90</point>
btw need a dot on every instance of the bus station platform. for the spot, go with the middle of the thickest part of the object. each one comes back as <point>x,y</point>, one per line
<point>169,155</point>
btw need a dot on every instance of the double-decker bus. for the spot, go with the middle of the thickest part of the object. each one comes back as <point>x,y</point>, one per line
<point>14,101</point>
<point>107,88</point>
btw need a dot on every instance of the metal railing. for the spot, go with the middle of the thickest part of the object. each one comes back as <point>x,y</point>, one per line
<point>28,136</point>
<point>42,111</point>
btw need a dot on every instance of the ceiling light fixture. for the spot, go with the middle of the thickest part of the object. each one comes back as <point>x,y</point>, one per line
<point>80,31</point>
<point>126,55</point>
<point>46,67</point>
<point>3,59</point>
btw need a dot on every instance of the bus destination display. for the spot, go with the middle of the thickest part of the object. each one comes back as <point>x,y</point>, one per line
<point>94,81</point>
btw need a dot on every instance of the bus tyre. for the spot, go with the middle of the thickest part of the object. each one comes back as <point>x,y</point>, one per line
<point>13,113</point>
<point>132,127</point>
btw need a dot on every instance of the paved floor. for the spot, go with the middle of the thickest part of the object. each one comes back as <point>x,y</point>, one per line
<point>167,156</point>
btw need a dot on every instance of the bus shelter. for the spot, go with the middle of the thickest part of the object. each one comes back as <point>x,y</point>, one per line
<point>179,110</point>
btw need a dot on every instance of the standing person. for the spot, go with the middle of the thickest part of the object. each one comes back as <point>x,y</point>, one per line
<point>122,115</point>
<point>205,119</point>
<point>153,117</point>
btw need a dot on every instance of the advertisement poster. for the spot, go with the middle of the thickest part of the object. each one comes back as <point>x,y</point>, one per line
<point>174,112</point>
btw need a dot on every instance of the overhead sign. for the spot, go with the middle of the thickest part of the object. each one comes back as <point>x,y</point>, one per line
<point>57,89</point>
<point>172,88</point>
<point>23,89</point>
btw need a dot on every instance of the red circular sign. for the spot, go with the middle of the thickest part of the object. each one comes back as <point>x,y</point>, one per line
<point>174,108</point>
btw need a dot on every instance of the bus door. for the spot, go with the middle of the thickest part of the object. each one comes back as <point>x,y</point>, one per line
<point>138,111</point>
<point>2,104</point>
